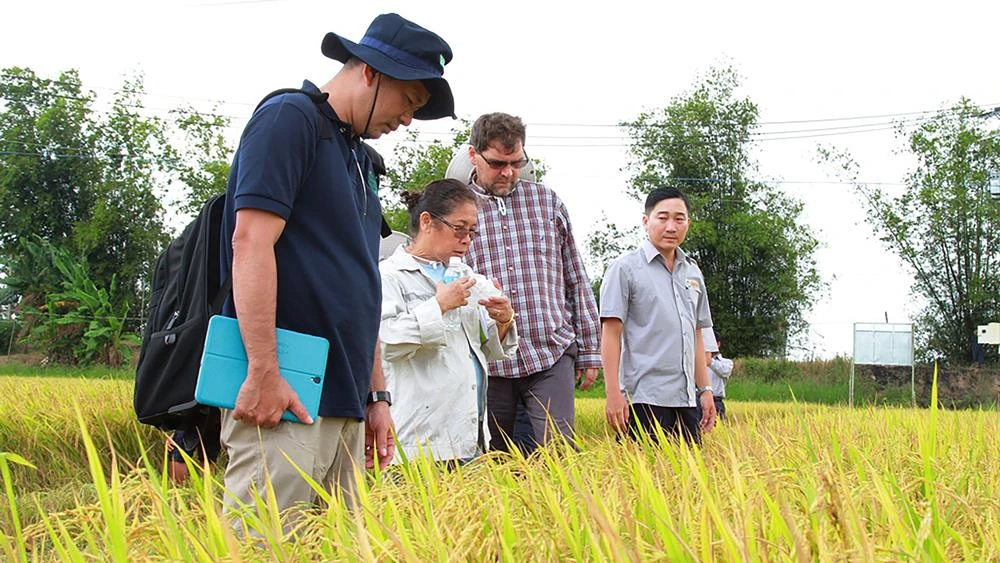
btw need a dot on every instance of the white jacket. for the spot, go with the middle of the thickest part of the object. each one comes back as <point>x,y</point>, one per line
<point>719,370</point>
<point>428,369</point>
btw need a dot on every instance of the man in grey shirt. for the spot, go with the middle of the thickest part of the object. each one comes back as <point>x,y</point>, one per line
<point>653,305</point>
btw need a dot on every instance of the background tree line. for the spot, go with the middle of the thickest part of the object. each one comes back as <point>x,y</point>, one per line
<point>944,225</point>
<point>83,200</point>
<point>747,236</point>
<point>84,193</point>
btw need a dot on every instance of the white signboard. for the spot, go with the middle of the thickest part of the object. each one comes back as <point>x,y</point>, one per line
<point>883,344</point>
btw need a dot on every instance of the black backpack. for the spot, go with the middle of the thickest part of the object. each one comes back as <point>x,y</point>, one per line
<point>186,292</point>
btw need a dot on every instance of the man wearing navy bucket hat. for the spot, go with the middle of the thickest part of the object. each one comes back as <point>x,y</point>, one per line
<point>301,238</point>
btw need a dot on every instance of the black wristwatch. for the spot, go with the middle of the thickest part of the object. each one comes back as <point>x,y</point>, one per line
<point>376,396</point>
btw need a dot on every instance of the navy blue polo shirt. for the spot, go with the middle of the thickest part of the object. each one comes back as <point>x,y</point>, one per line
<point>327,256</point>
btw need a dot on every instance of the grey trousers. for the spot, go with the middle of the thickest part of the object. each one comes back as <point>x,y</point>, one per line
<point>547,397</point>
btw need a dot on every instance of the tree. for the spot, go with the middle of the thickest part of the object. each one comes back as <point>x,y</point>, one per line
<point>79,324</point>
<point>605,243</point>
<point>125,231</point>
<point>88,182</point>
<point>46,134</point>
<point>31,277</point>
<point>943,226</point>
<point>415,164</point>
<point>203,159</point>
<point>758,259</point>
<point>80,179</point>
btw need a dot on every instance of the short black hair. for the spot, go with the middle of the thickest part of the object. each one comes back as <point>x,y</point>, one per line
<point>660,194</point>
<point>438,198</point>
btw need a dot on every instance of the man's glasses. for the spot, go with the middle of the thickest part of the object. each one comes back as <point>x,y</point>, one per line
<point>460,232</point>
<point>501,164</point>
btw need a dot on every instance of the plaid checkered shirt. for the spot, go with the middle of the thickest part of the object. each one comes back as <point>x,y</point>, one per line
<point>527,243</point>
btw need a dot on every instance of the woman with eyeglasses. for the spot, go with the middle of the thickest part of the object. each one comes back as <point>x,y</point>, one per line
<point>435,370</point>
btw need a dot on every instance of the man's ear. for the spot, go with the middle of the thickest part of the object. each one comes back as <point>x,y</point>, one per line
<point>369,74</point>
<point>472,155</point>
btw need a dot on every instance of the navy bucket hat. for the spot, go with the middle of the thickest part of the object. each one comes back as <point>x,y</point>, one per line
<point>402,50</point>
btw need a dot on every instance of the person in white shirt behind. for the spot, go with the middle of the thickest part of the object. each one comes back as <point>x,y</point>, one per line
<point>438,336</point>
<point>719,369</point>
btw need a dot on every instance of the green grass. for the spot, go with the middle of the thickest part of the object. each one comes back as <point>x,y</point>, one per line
<point>819,382</point>
<point>806,391</point>
<point>90,372</point>
<point>784,391</point>
<point>780,381</point>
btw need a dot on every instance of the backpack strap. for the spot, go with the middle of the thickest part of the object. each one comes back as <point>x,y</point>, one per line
<point>215,209</point>
<point>325,128</point>
<point>220,296</point>
<point>378,163</point>
<point>326,132</point>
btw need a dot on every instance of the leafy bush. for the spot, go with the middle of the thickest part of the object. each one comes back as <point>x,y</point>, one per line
<point>767,370</point>
<point>81,324</point>
<point>29,277</point>
<point>833,372</point>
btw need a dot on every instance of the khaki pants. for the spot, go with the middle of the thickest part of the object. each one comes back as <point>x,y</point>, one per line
<point>329,451</point>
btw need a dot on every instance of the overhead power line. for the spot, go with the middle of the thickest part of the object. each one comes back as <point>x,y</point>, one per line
<point>106,156</point>
<point>786,122</point>
<point>911,114</point>
<point>149,94</point>
<point>675,179</point>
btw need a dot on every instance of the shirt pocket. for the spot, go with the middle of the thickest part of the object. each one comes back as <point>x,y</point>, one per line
<point>693,297</point>
<point>543,237</point>
<point>414,299</point>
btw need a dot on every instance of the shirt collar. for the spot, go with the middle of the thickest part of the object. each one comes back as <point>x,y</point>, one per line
<point>327,109</point>
<point>401,259</point>
<point>479,191</point>
<point>649,252</point>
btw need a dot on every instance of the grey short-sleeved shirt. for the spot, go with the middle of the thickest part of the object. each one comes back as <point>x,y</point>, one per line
<point>659,310</point>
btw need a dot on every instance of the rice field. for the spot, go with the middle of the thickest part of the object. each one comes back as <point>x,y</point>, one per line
<point>777,482</point>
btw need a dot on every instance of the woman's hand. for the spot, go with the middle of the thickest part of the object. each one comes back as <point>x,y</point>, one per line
<point>499,309</point>
<point>455,294</point>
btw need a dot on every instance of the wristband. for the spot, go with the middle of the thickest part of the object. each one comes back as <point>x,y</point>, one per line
<point>376,396</point>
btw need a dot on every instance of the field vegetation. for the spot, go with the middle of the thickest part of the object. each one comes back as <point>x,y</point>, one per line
<point>777,481</point>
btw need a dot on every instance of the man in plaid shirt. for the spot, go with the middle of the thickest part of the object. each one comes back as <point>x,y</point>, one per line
<point>526,243</point>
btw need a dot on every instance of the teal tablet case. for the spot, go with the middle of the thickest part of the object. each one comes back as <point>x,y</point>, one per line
<point>301,360</point>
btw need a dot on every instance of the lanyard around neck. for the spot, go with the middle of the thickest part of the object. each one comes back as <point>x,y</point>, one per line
<point>364,184</point>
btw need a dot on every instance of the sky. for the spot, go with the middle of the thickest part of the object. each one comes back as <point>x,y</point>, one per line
<point>572,74</point>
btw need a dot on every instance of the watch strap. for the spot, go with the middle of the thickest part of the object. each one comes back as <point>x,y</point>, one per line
<point>376,396</point>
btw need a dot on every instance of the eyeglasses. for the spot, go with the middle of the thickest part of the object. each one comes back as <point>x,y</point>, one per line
<point>501,164</point>
<point>460,232</point>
